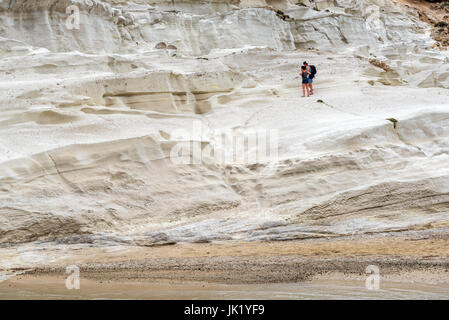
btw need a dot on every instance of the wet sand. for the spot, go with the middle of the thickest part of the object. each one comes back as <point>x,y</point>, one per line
<point>53,287</point>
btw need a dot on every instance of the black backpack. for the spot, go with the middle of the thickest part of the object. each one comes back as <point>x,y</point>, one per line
<point>313,70</point>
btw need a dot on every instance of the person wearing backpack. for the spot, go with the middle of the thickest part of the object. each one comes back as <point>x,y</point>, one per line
<point>312,72</point>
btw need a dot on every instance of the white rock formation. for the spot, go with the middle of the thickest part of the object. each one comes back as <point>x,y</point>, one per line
<point>90,116</point>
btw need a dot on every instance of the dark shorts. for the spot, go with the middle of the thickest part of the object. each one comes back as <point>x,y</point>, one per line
<point>305,81</point>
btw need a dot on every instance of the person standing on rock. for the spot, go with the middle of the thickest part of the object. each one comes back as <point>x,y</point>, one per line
<point>305,81</point>
<point>311,77</point>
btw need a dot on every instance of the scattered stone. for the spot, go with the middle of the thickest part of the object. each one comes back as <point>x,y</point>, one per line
<point>161,45</point>
<point>155,239</point>
<point>380,64</point>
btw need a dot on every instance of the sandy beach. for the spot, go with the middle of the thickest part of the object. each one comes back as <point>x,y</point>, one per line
<point>410,267</point>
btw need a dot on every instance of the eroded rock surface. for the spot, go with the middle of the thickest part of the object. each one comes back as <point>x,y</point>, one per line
<point>89,118</point>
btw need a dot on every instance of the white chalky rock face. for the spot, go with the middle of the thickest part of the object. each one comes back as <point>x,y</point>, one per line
<point>91,111</point>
